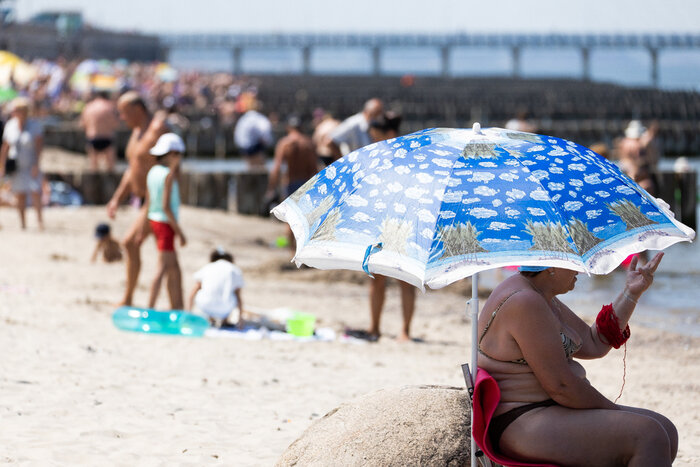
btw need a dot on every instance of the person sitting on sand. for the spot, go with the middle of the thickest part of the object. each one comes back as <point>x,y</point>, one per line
<point>111,251</point>
<point>217,289</point>
<point>161,208</point>
<point>549,412</point>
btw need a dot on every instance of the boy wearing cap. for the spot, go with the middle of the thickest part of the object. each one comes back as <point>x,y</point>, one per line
<point>161,208</point>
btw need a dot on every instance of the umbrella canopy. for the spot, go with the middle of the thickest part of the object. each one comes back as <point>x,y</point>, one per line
<point>439,205</point>
<point>92,75</point>
<point>14,70</point>
<point>8,58</point>
<point>166,73</point>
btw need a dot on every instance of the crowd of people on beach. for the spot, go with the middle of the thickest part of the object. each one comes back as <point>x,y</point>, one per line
<point>154,153</point>
<point>297,156</point>
<point>60,89</point>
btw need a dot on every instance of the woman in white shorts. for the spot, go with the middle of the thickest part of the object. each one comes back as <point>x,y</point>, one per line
<point>22,142</point>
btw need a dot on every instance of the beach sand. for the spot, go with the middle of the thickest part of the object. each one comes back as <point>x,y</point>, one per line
<point>77,391</point>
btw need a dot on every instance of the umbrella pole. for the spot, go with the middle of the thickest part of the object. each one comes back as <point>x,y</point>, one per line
<point>474,308</point>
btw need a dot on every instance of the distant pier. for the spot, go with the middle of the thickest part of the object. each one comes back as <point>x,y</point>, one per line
<point>377,43</point>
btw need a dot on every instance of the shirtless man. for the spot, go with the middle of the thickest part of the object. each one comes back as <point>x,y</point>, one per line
<point>637,155</point>
<point>297,151</point>
<point>146,130</point>
<point>99,118</point>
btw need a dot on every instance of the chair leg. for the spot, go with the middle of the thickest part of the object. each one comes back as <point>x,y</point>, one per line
<point>468,379</point>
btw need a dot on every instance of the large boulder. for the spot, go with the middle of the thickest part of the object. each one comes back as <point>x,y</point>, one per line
<point>412,425</point>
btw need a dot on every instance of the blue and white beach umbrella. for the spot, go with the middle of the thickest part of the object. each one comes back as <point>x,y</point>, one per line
<point>438,205</point>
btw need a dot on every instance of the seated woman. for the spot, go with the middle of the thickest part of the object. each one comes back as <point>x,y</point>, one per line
<point>549,412</point>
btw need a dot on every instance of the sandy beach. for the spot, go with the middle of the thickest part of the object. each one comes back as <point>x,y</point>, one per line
<point>77,391</point>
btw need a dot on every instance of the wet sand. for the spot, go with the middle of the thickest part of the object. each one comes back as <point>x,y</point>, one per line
<point>77,391</point>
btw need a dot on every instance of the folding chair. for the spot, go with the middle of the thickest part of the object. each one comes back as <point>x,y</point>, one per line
<point>485,396</point>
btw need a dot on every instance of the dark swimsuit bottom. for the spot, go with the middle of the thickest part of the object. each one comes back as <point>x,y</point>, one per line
<point>499,423</point>
<point>100,144</point>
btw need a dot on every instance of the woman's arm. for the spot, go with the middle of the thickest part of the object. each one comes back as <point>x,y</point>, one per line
<point>38,148</point>
<point>637,282</point>
<point>4,149</point>
<point>535,329</point>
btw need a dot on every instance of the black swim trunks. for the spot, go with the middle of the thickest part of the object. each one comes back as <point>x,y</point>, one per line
<point>499,423</point>
<point>100,144</point>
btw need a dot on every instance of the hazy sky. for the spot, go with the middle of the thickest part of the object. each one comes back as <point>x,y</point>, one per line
<point>443,16</point>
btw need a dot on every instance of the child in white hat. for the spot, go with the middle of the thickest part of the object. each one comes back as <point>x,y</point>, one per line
<point>162,207</point>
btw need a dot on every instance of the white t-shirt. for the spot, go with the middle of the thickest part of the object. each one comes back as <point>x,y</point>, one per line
<point>21,142</point>
<point>219,280</point>
<point>252,128</point>
<point>352,133</point>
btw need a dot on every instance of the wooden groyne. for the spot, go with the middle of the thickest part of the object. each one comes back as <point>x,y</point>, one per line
<point>680,191</point>
<point>238,192</point>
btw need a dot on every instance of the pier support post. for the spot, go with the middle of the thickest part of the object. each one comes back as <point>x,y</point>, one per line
<point>306,60</point>
<point>445,60</point>
<point>586,62</point>
<point>654,53</point>
<point>237,60</point>
<point>515,53</point>
<point>376,60</point>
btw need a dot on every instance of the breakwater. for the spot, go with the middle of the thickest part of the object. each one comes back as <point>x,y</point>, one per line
<point>242,192</point>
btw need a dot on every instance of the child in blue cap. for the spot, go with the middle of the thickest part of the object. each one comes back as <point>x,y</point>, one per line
<point>111,251</point>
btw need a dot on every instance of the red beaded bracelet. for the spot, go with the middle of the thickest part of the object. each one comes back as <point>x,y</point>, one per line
<point>609,327</point>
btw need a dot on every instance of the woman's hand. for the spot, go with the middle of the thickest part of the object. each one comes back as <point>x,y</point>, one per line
<point>639,279</point>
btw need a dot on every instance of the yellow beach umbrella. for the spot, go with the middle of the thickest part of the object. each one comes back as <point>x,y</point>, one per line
<point>8,58</point>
